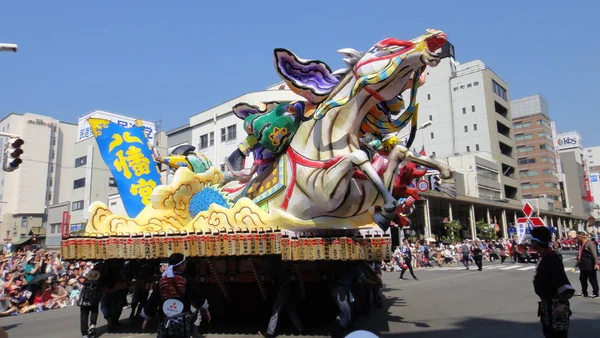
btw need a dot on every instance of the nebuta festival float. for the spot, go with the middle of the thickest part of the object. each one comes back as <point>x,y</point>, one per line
<point>328,178</point>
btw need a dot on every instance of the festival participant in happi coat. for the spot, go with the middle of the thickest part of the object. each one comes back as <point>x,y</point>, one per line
<point>172,298</point>
<point>552,285</point>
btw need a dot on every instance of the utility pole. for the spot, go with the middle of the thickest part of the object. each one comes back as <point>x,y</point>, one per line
<point>8,47</point>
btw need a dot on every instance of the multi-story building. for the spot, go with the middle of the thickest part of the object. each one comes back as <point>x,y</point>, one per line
<point>91,179</point>
<point>575,186</point>
<point>44,178</point>
<point>469,107</point>
<point>536,155</point>
<point>593,159</point>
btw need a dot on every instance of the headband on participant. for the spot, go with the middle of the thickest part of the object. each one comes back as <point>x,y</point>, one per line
<point>540,241</point>
<point>169,271</point>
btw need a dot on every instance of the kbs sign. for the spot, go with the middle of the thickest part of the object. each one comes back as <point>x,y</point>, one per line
<point>568,141</point>
<point>66,220</point>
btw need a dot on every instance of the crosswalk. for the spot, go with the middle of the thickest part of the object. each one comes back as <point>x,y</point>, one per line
<point>496,267</point>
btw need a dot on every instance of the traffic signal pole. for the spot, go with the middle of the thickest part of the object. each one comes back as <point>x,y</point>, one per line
<point>10,135</point>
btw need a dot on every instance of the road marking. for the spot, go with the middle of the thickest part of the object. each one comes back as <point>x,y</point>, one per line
<point>431,280</point>
<point>491,267</point>
<point>569,259</point>
<point>510,267</point>
<point>526,268</point>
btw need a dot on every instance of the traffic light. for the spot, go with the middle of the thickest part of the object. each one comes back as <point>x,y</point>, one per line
<point>12,154</point>
<point>434,182</point>
<point>447,186</point>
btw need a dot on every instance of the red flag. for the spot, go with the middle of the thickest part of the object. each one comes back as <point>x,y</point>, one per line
<point>423,153</point>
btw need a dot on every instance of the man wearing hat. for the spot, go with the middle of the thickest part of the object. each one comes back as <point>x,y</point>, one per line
<point>587,261</point>
<point>172,297</point>
<point>551,284</point>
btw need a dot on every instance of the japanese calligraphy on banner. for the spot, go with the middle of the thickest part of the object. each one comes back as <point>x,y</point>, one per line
<point>84,130</point>
<point>128,156</point>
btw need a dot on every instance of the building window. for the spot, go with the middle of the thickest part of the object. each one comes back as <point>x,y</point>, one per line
<point>521,137</point>
<point>428,96</point>
<point>49,196</point>
<point>477,147</point>
<point>112,183</point>
<point>203,141</point>
<point>455,88</point>
<point>488,193</point>
<point>78,205</point>
<point>476,83</point>
<point>462,87</point>
<point>80,161</point>
<point>54,228</point>
<point>211,139</point>
<point>486,173</point>
<point>464,110</point>
<point>528,173</point>
<point>475,127</point>
<point>433,154</point>
<point>544,134</point>
<point>524,149</point>
<point>468,149</point>
<point>22,236</point>
<point>229,133</point>
<point>79,183</point>
<point>520,125</point>
<point>499,90</point>
<point>430,118</point>
<point>543,146</point>
<point>526,160</point>
<point>432,136</point>
<point>469,85</point>
<point>23,222</point>
<point>466,129</point>
<point>548,171</point>
<point>223,168</point>
<point>473,108</point>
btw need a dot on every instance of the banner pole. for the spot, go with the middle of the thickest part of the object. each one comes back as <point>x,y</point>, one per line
<point>140,123</point>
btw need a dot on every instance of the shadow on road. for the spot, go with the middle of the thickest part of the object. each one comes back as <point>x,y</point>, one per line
<point>474,327</point>
<point>8,327</point>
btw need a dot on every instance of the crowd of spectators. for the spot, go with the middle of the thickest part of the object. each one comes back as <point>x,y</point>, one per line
<point>37,280</point>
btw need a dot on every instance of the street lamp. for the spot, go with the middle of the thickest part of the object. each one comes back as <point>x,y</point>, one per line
<point>8,47</point>
<point>422,126</point>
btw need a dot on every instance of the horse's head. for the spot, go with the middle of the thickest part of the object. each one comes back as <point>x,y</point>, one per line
<point>387,69</point>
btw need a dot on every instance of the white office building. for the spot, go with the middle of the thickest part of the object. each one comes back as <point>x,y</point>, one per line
<point>469,107</point>
<point>44,178</point>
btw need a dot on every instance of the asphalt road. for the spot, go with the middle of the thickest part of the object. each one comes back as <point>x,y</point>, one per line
<point>445,302</point>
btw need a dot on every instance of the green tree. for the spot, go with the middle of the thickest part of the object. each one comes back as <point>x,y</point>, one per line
<point>484,231</point>
<point>453,230</point>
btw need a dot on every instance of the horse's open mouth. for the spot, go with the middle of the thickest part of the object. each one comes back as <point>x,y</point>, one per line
<point>435,43</point>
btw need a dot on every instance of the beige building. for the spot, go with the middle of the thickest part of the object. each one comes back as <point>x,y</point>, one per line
<point>44,178</point>
<point>468,105</point>
<point>536,154</point>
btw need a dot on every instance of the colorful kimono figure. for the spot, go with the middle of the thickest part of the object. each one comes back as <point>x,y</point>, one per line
<point>270,129</point>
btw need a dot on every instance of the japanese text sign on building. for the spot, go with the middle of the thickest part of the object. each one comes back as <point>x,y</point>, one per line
<point>525,224</point>
<point>127,154</point>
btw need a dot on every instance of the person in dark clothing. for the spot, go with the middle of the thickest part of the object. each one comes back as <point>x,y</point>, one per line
<point>501,247</point>
<point>515,252</point>
<point>465,250</point>
<point>172,298</point>
<point>407,260</point>
<point>477,255</point>
<point>587,262</point>
<point>285,301</point>
<point>552,285</point>
<point>89,302</point>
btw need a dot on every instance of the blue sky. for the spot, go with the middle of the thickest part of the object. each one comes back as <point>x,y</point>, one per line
<point>170,60</point>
